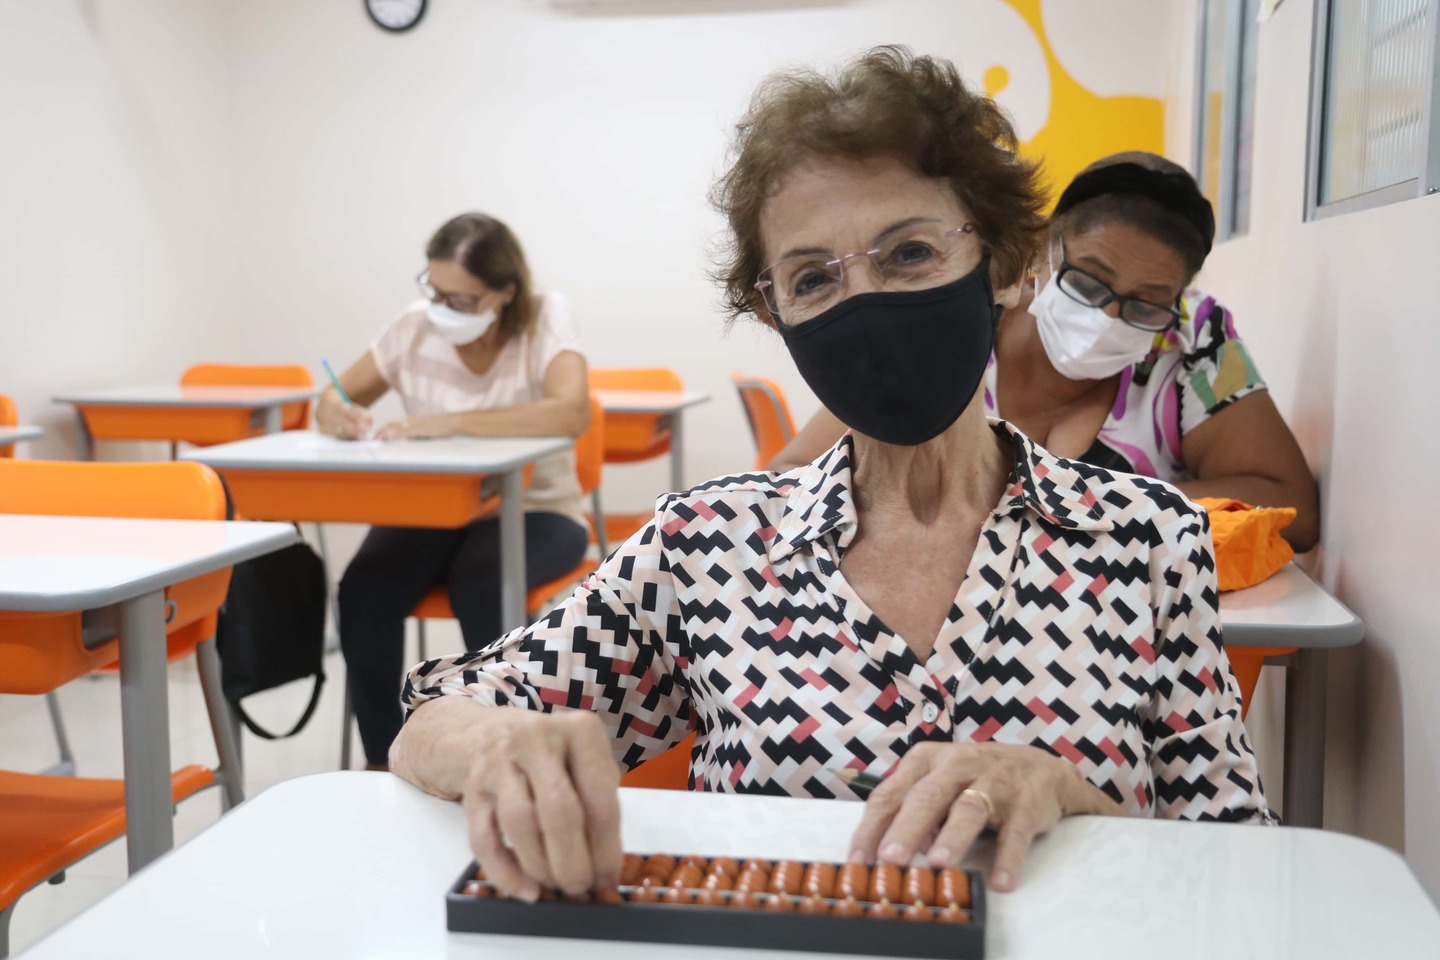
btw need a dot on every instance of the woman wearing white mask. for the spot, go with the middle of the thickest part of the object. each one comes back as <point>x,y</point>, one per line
<point>483,355</point>
<point>1113,359</point>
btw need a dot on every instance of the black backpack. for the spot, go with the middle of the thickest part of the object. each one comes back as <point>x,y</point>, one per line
<point>272,629</point>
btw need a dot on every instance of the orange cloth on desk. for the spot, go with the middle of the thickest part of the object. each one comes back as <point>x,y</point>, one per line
<point>1248,545</point>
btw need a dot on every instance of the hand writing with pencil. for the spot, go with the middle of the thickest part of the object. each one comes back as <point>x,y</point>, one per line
<point>417,428</point>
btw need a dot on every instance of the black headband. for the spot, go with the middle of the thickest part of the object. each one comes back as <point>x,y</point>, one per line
<point>1175,192</point>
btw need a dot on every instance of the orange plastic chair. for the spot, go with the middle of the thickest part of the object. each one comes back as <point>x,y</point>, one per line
<point>293,416</point>
<point>1245,663</point>
<point>629,438</point>
<point>48,822</point>
<point>9,417</point>
<point>667,771</point>
<point>769,416</point>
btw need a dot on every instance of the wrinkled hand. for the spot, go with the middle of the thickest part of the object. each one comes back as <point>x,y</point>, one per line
<point>416,428</point>
<point>922,807</point>
<point>542,805</point>
<point>346,422</point>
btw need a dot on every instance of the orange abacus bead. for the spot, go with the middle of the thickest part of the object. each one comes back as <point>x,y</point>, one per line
<point>787,877</point>
<point>918,911</point>
<point>476,888</point>
<point>778,903</point>
<point>696,861</point>
<point>885,883</point>
<point>747,901</point>
<point>678,895</point>
<point>813,905</point>
<point>718,881</point>
<point>849,907</point>
<point>920,886</point>
<point>755,863</point>
<point>819,880</point>
<point>884,910</point>
<point>659,866</point>
<point>953,887</point>
<point>751,880</point>
<point>726,865</point>
<point>710,898</point>
<point>953,914</point>
<point>630,868</point>
<point>644,894</point>
<point>687,875</point>
<point>854,881</point>
<point>609,895</point>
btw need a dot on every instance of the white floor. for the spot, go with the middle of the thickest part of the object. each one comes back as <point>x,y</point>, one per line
<point>92,716</point>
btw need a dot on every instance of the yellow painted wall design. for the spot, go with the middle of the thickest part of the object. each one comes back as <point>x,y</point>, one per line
<point>1082,126</point>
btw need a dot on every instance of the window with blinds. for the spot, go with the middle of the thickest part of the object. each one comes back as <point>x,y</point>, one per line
<point>1226,109</point>
<point>1374,102</point>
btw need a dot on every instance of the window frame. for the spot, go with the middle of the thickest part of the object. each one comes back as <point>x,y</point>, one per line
<point>1232,69</point>
<point>1427,180</point>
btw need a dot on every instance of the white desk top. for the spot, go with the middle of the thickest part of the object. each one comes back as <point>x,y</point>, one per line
<point>649,401</point>
<point>174,395</point>
<point>1288,610</point>
<point>304,450</point>
<point>55,564</point>
<point>357,864</point>
<point>10,435</point>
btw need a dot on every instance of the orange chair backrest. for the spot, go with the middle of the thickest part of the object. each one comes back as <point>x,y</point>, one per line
<point>39,652</point>
<point>634,437</point>
<point>769,416</point>
<point>293,416</point>
<point>666,771</point>
<point>9,417</point>
<point>590,448</point>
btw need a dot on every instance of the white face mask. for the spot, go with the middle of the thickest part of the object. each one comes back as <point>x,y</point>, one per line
<point>459,328</point>
<point>1084,342</point>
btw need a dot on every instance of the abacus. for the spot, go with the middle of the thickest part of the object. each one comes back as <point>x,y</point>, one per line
<point>884,910</point>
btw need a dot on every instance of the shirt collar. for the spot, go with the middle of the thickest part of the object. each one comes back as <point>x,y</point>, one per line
<point>820,498</point>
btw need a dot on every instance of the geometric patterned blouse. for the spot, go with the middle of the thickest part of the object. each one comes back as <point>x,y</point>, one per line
<point>1086,625</point>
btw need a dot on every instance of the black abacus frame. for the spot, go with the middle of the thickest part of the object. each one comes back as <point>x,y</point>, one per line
<point>716,926</point>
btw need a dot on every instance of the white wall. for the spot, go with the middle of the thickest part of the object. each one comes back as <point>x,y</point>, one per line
<point>1341,316</point>
<point>596,136</point>
<point>115,203</point>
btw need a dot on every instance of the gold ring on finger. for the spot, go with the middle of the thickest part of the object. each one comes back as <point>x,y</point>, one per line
<point>985,799</point>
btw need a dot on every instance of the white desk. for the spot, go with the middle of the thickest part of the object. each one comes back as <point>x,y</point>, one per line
<point>668,404</point>
<point>1292,610</point>
<point>264,403</point>
<point>20,434</point>
<point>357,864</point>
<point>300,451</point>
<point>61,564</point>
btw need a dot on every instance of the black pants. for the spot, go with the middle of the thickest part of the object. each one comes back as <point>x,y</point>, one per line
<point>397,566</point>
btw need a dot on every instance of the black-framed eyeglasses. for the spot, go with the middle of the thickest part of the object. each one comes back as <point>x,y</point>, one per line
<point>455,301</point>
<point>1094,292</point>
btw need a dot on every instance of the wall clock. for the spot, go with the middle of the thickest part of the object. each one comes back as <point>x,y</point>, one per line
<point>396,16</point>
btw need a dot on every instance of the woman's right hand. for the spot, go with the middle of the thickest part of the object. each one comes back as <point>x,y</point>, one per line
<point>342,420</point>
<point>542,803</point>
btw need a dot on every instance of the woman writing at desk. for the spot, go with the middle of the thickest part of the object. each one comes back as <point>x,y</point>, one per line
<point>1005,637</point>
<point>486,356</point>
<point>1110,357</point>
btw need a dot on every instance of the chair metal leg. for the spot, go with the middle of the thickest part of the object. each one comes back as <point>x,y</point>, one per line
<point>602,541</point>
<point>66,766</point>
<point>420,637</point>
<point>230,774</point>
<point>346,718</point>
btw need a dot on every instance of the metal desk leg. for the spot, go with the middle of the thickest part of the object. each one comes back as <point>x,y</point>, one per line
<point>84,442</point>
<point>1305,687</point>
<point>512,551</point>
<point>145,729</point>
<point>271,419</point>
<point>677,451</point>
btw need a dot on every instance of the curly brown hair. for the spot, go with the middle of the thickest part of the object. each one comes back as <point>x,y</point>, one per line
<point>885,102</point>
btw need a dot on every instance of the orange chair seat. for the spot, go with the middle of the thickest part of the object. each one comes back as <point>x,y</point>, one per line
<point>620,527</point>
<point>1245,663</point>
<point>48,823</point>
<point>667,771</point>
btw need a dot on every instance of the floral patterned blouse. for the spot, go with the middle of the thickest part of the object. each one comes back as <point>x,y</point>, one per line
<point>1194,371</point>
<point>1086,625</point>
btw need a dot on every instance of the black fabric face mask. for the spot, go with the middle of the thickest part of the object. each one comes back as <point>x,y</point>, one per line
<point>899,367</point>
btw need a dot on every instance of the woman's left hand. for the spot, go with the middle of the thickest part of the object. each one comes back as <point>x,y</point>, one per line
<point>417,428</point>
<point>935,804</point>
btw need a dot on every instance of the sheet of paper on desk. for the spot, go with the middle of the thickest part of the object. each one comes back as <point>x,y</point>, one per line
<point>320,441</point>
